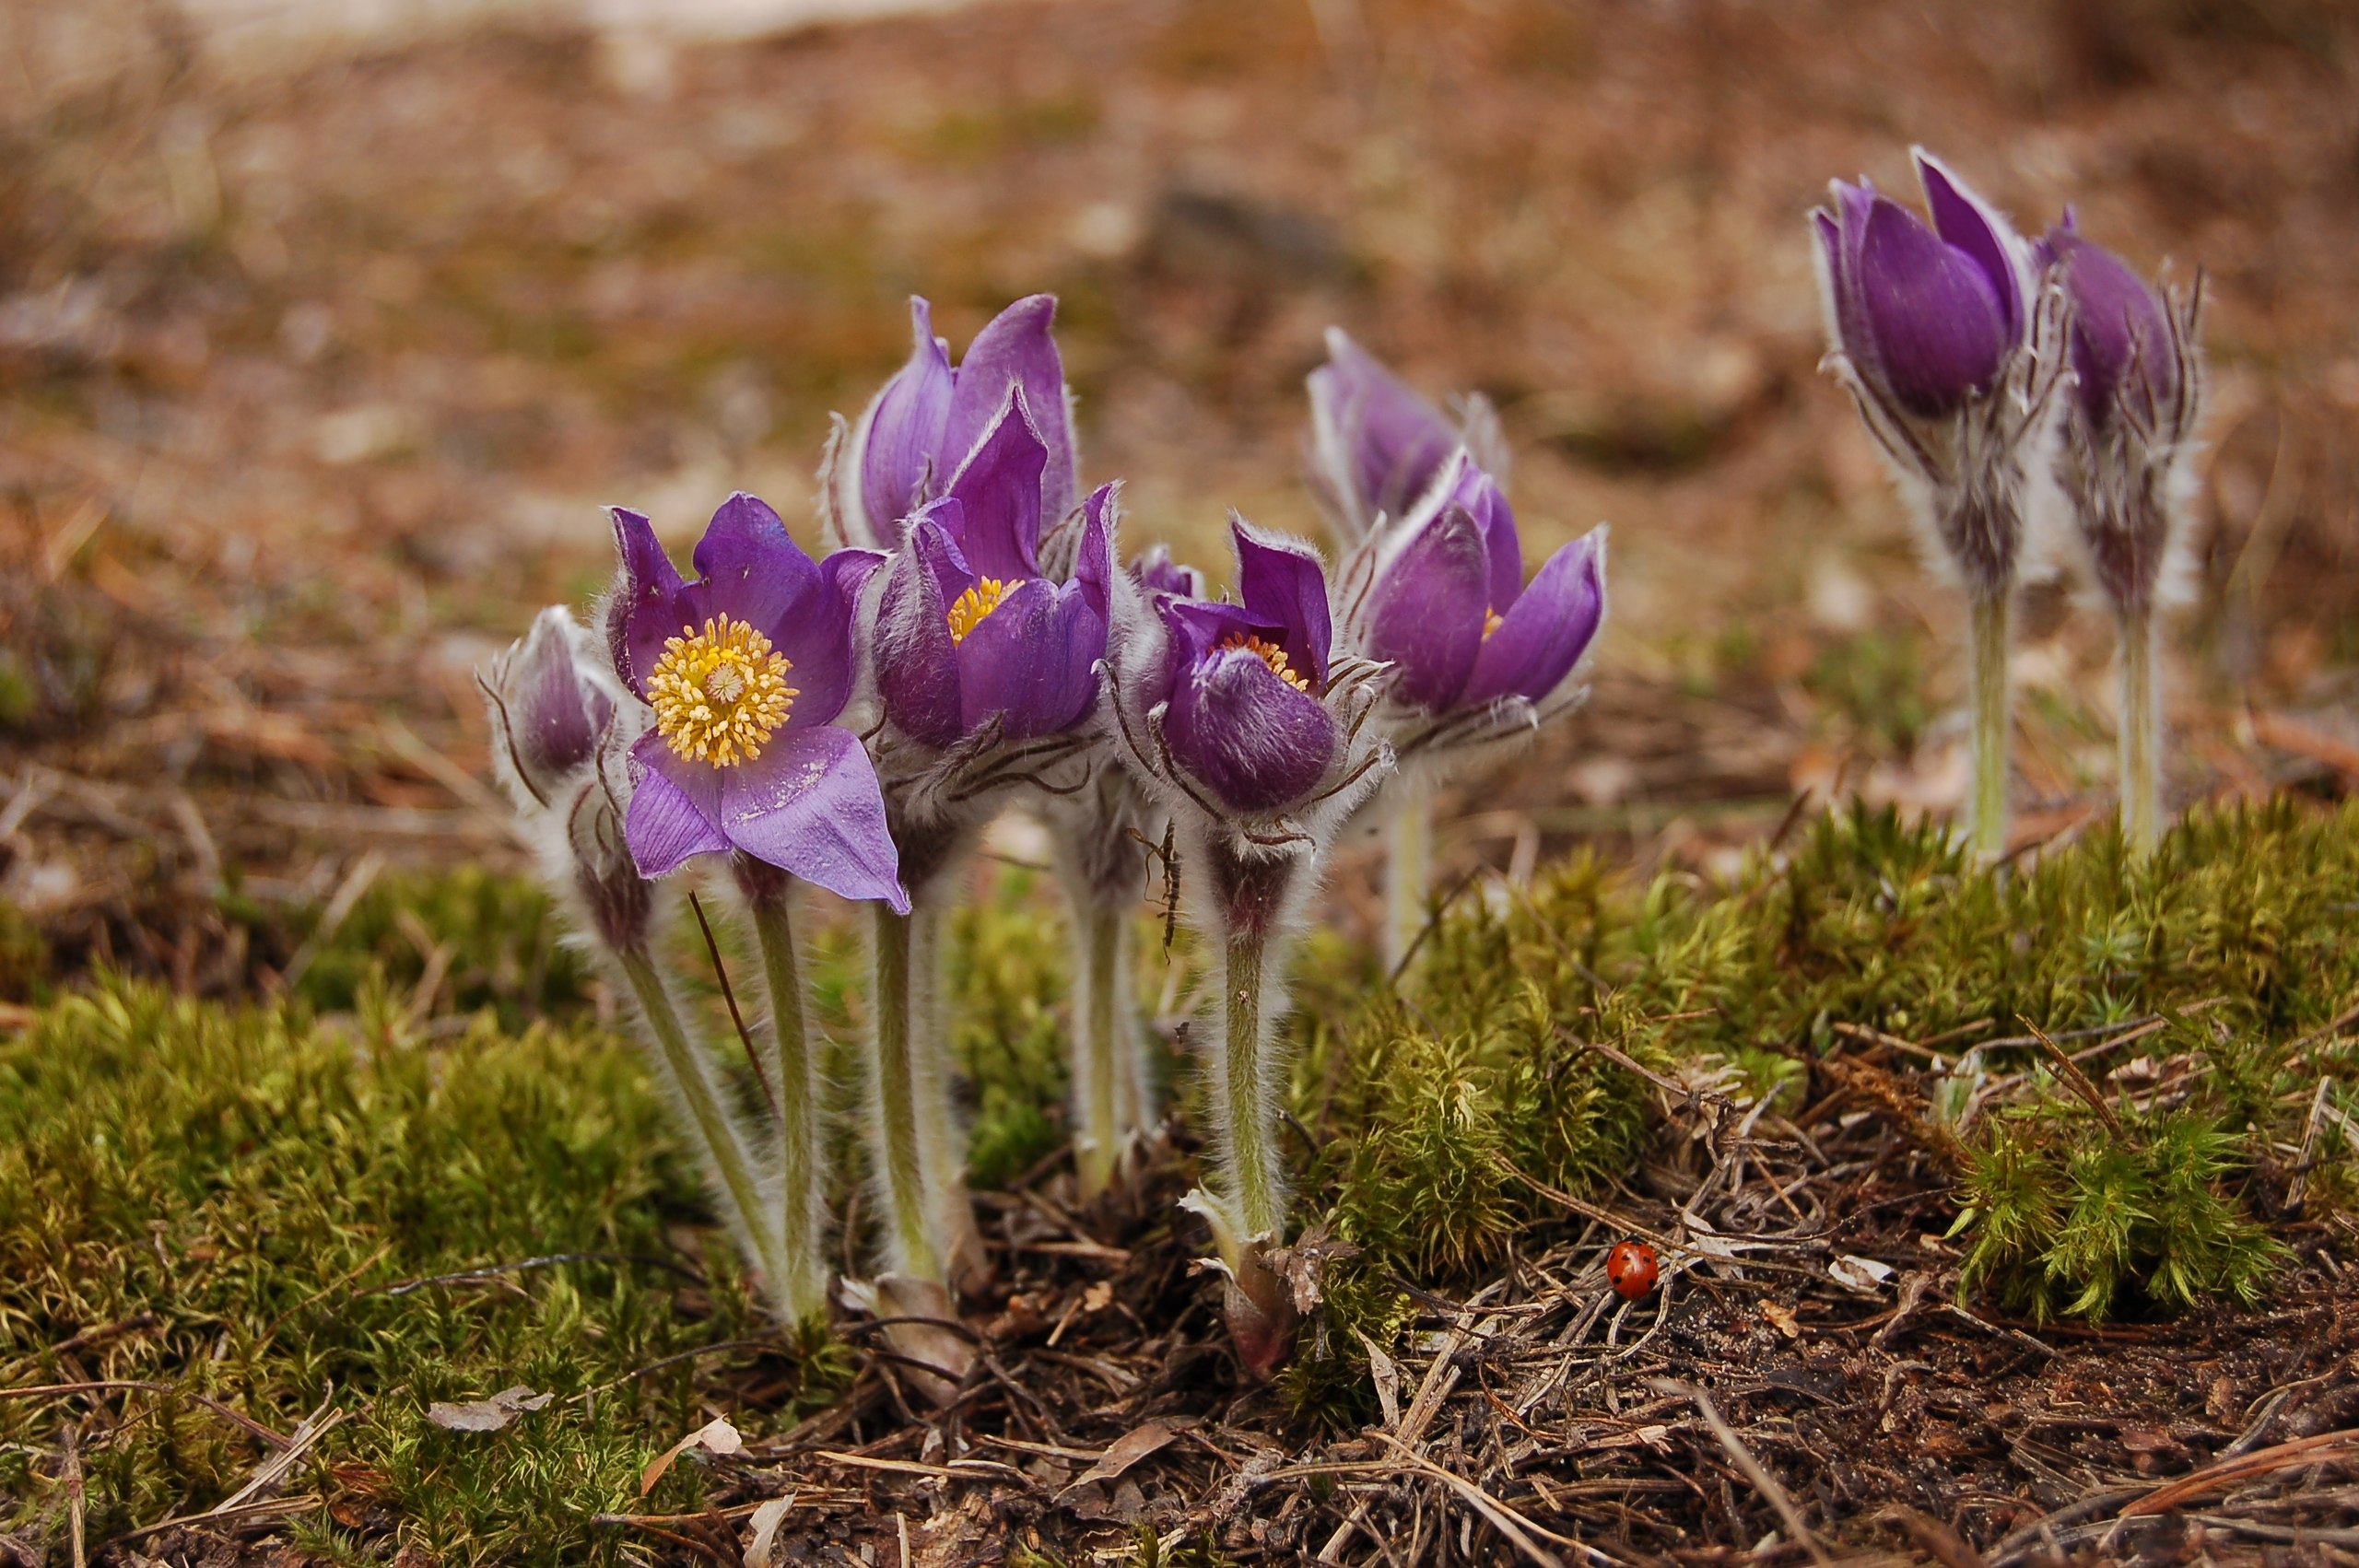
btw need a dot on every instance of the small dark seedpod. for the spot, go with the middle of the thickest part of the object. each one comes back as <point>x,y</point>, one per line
<point>1631,1266</point>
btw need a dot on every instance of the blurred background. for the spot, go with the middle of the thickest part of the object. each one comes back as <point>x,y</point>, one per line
<point>326,326</point>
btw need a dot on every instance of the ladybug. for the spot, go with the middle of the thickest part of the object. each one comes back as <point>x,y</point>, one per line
<point>1631,1266</point>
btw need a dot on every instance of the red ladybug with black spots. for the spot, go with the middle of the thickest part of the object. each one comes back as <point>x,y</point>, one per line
<point>1632,1269</point>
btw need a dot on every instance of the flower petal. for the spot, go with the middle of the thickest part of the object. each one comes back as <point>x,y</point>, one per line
<point>675,808</point>
<point>1284,584</point>
<point>1548,630</point>
<point>916,665</point>
<point>1248,736</point>
<point>753,570</point>
<point>1016,349</point>
<point>1939,330</point>
<point>1033,661</point>
<point>810,803</point>
<point>1427,612</point>
<point>1966,221</point>
<point>899,440</point>
<point>1158,573</point>
<point>999,488</point>
<point>1378,443</point>
<point>2117,323</point>
<point>640,613</point>
<point>1093,566</point>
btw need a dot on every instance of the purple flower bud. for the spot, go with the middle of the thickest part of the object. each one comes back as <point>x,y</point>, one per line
<point>926,423</point>
<point>1158,573</point>
<point>2124,348</point>
<point>745,670</point>
<point>1376,445</point>
<point>968,630</point>
<point>1928,317</point>
<point>549,707</point>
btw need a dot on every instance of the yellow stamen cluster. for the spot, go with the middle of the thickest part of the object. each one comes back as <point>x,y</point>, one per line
<point>720,694</point>
<point>1270,653</point>
<point>975,605</point>
<point>1492,621</point>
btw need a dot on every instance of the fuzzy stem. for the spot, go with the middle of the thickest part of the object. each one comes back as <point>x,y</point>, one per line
<point>687,1072</point>
<point>1105,1082</point>
<point>1408,874</point>
<point>900,1152</point>
<point>1987,813</point>
<point>941,1140</point>
<point>2141,740</point>
<point>802,1213</point>
<point>1252,1144</point>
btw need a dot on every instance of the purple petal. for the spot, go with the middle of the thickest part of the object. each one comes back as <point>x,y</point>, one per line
<point>1466,485</point>
<point>1016,349</point>
<point>675,808</point>
<point>1966,221</point>
<point>2118,324</point>
<point>900,437</point>
<point>1391,441</point>
<point>1842,232</point>
<point>1157,573</point>
<point>999,487</point>
<point>1032,660</point>
<point>1284,584</point>
<point>1427,612</point>
<point>1093,566</point>
<point>916,665</point>
<point>1939,330</point>
<point>641,614</point>
<point>1548,630</point>
<point>1250,737</point>
<point>849,569</point>
<point>810,803</point>
<point>752,568</point>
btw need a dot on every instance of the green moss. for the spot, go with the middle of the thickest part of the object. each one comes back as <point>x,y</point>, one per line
<point>503,942</point>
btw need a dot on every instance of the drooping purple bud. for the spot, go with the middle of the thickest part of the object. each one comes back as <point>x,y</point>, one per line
<point>1377,446</point>
<point>547,709</point>
<point>1158,573</point>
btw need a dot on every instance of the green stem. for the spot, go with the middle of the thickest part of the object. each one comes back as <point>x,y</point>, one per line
<point>688,1073</point>
<point>1408,874</point>
<point>1104,1080</point>
<point>2141,740</point>
<point>1986,814</point>
<point>802,1213</point>
<point>899,1154</point>
<point>1252,1151</point>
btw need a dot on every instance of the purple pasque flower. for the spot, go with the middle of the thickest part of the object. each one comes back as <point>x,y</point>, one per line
<point>2128,434</point>
<point>920,429</point>
<point>744,671</point>
<point>1443,599</point>
<point>1377,447</point>
<point>970,631</point>
<point>1952,354</point>
<point>1244,709</point>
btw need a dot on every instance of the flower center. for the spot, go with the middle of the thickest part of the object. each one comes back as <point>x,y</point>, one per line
<point>1270,653</point>
<point>974,605</point>
<point>1492,621</point>
<point>720,694</point>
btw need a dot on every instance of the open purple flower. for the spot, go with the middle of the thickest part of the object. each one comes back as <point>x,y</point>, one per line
<point>969,631</point>
<point>1377,447</point>
<point>1450,610</point>
<point>745,671</point>
<point>920,429</point>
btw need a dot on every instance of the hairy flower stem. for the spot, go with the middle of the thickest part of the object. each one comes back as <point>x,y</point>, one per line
<point>1408,874</point>
<point>1986,812</point>
<point>2142,740</point>
<point>802,1214</point>
<point>688,1073</point>
<point>900,1158</point>
<point>1106,1088</point>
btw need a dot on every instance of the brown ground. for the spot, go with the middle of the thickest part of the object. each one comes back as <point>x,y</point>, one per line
<point>312,376</point>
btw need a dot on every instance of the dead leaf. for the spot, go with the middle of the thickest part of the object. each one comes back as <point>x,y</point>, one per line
<point>716,1436</point>
<point>1787,1324</point>
<point>494,1414</point>
<point>1098,1297</point>
<point>1856,1273</point>
<point>763,1546</point>
<point>1387,1381</point>
<point>1303,1264</point>
<point>1127,1450</point>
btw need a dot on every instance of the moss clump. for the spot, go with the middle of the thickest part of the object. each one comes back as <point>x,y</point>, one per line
<point>257,1183</point>
<point>503,939</point>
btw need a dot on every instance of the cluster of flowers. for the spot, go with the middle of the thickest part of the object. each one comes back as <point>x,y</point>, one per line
<point>971,643</point>
<point>2009,380</point>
